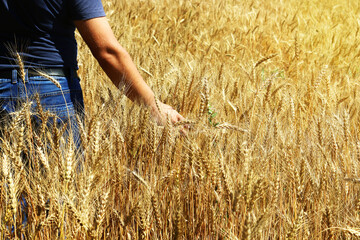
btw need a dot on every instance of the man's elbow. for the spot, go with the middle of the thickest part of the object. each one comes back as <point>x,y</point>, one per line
<point>113,54</point>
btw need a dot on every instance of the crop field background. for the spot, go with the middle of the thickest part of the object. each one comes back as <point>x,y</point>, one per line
<point>270,90</point>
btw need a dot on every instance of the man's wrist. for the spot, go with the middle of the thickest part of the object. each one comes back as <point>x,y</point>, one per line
<point>150,101</point>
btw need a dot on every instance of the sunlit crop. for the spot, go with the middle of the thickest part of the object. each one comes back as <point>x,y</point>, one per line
<point>270,92</point>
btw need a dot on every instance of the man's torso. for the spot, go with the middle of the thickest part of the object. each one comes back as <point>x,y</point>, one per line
<point>42,30</point>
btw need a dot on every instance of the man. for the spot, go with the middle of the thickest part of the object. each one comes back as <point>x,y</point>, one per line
<point>42,32</point>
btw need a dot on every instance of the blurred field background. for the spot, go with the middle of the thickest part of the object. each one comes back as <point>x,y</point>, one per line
<point>270,90</point>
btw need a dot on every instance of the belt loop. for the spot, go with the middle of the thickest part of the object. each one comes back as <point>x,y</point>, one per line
<point>14,76</point>
<point>26,75</point>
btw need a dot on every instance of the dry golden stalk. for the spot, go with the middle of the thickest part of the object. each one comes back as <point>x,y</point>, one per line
<point>43,159</point>
<point>82,132</point>
<point>246,231</point>
<point>166,137</point>
<point>246,191</point>
<point>157,102</point>
<point>143,219</point>
<point>190,155</point>
<point>327,219</point>
<point>298,185</point>
<point>358,150</point>
<point>19,136</point>
<point>95,142</point>
<point>8,174</point>
<point>20,63</point>
<point>78,216</point>
<point>230,127</point>
<point>264,59</point>
<point>346,130</point>
<point>204,104</point>
<point>44,222</point>
<point>179,227</point>
<point>280,106</point>
<point>101,211</point>
<point>296,46</point>
<point>228,187</point>
<point>52,79</point>
<point>85,194</point>
<point>275,136</point>
<point>214,172</point>
<point>41,199</point>
<point>184,123</point>
<point>90,130</point>
<point>206,164</point>
<point>328,90</point>
<point>320,133</point>
<point>235,90</point>
<point>318,80</point>
<point>212,221</point>
<point>44,123</point>
<point>181,173</point>
<point>293,115</point>
<point>141,180</point>
<point>56,139</point>
<point>189,83</point>
<point>151,142</point>
<point>338,186</point>
<point>254,193</point>
<point>276,196</point>
<point>293,232</point>
<point>69,164</point>
<point>155,205</point>
<point>19,165</point>
<point>351,231</point>
<point>39,106</point>
<point>221,71</point>
<point>29,130</point>
<point>268,84</point>
<point>334,144</point>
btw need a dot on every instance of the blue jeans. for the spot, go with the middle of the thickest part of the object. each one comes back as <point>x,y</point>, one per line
<point>64,102</point>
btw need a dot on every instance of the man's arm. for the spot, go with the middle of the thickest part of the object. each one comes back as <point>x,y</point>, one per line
<point>119,67</point>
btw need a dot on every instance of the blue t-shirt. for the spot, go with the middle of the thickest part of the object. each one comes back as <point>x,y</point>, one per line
<point>42,31</point>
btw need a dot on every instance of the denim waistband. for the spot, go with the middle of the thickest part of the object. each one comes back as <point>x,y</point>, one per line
<point>59,72</point>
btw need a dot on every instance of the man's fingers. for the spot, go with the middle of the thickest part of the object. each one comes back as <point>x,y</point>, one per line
<point>178,118</point>
<point>164,111</point>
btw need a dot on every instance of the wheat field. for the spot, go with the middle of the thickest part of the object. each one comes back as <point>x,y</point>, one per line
<point>269,90</point>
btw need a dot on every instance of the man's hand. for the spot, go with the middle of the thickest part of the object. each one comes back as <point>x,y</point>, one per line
<point>161,111</point>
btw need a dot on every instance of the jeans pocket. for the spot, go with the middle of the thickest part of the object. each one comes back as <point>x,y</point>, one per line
<point>58,103</point>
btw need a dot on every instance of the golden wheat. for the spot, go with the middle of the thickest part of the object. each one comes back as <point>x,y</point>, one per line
<point>272,154</point>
